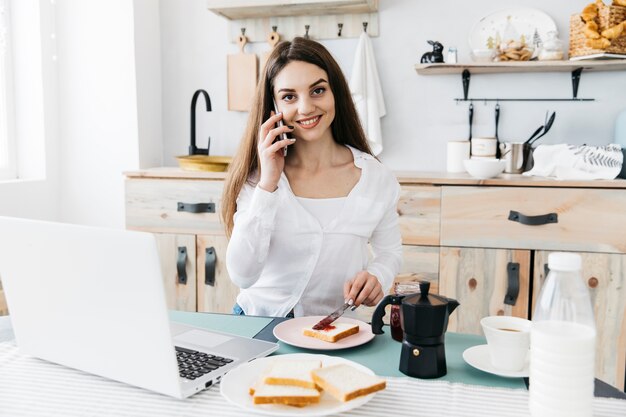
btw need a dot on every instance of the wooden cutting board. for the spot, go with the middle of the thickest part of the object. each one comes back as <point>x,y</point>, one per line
<point>242,76</point>
<point>272,39</point>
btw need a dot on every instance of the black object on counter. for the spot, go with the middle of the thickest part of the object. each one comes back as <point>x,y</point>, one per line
<point>546,129</point>
<point>425,320</point>
<point>193,149</point>
<point>435,56</point>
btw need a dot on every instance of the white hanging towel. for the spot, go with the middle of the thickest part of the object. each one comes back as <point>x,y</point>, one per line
<point>367,93</point>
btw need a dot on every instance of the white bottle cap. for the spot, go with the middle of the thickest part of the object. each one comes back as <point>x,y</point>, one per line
<point>563,261</point>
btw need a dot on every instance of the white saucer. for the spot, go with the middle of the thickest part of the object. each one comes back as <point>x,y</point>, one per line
<point>478,357</point>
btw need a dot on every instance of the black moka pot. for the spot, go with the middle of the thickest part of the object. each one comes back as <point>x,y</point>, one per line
<point>424,319</point>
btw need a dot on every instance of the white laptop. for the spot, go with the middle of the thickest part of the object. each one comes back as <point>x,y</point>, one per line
<point>93,299</point>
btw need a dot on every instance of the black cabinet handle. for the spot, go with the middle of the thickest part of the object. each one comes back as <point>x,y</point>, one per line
<point>512,271</point>
<point>516,216</point>
<point>197,208</point>
<point>209,266</point>
<point>181,264</point>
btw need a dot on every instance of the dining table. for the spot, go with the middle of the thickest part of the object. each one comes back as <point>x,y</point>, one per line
<point>33,387</point>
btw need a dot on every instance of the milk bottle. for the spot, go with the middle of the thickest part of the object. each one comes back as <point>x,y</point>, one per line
<point>562,343</point>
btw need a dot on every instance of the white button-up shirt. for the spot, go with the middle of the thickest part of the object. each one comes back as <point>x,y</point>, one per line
<point>277,245</point>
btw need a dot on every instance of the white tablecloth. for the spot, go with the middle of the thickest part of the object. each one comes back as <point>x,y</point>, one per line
<point>32,387</point>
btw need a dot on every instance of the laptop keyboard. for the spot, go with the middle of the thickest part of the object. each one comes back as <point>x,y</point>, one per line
<point>193,364</point>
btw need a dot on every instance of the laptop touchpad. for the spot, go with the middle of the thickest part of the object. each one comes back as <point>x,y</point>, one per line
<point>200,338</point>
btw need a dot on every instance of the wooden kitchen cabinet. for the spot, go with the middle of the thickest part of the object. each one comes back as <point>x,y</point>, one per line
<point>183,211</point>
<point>483,225</point>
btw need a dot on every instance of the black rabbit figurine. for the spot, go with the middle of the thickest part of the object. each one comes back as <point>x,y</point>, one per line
<point>435,56</point>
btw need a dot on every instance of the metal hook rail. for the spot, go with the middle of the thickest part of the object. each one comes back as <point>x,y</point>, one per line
<point>466,76</point>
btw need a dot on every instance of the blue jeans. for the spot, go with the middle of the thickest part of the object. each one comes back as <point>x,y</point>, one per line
<point>238,311</point>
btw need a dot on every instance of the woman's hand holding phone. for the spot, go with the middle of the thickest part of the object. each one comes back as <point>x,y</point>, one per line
<point>271,151</point>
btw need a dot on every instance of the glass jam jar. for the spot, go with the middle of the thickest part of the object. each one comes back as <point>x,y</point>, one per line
<point>395,321</point>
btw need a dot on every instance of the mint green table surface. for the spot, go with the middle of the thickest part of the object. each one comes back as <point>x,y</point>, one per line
<point>381,355</point>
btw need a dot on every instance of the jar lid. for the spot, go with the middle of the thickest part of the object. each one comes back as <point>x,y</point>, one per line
<point>563,261</point>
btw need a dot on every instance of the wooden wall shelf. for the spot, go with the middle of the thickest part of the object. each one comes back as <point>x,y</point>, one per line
<point>320,19</point>
<point>531,66</point>
<point>248,9</point>
<point>576,68</point>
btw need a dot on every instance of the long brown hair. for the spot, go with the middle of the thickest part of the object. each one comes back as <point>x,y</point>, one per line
<point>346,127</point>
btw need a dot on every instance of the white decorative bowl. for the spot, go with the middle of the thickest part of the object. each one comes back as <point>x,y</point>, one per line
<point>483,55</point>
<point>484,168</point>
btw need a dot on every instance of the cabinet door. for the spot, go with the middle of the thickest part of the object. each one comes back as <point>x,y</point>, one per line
<point>605,276</point>
<point>218,293</point>
<point>175,250</point>
<point>479,280</point>
<point>419,213</point>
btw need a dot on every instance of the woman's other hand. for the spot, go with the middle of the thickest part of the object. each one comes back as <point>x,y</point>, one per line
<point>364,288</point>
<point>271,154</point>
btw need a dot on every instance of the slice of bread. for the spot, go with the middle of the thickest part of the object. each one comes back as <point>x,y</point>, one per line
<point>345,382</point>
<point>297,373</point>
<point>335,332</point>
<point>284,394</point>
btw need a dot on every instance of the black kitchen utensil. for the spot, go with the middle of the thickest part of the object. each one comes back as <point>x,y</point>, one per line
<point>471,119</point>
<point>497,111</point>
<point>546,129</point>
<point>539,129</point>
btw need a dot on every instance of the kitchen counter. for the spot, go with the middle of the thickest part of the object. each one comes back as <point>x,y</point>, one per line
<point>411,177</point>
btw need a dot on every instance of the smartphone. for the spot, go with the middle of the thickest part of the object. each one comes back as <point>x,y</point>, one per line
<point>282,136</point>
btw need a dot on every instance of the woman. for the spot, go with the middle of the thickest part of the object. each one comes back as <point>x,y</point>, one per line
<point>299,223</point>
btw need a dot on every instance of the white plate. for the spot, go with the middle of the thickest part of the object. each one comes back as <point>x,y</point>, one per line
<point>236,383</point>
<point>524,20</point>
<point>478,357</point>
<point>290,332</point>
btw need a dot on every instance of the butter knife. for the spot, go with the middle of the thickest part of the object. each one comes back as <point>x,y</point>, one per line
<point>326,321</point>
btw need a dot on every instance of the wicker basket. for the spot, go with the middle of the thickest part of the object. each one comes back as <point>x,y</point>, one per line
<point>608,16</point>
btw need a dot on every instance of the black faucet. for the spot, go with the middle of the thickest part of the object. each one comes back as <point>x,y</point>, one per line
<point>193,149</point>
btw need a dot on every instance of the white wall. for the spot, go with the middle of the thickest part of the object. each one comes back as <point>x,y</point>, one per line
<point>98,122</point>
<point>421,113</point>
<point>148,78</point>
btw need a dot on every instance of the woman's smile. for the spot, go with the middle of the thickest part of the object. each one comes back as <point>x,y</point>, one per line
<point>309,122</point>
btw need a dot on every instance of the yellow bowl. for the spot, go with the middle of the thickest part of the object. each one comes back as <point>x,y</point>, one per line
<point>204,162</point>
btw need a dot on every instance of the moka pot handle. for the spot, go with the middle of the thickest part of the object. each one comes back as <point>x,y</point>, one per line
<point>379,313</point>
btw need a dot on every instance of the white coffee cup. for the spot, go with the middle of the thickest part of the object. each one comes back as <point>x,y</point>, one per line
<point>484,147</point>
<point>457,152</point>
<point>508,340</point>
